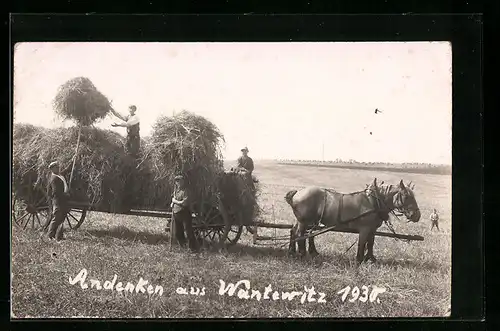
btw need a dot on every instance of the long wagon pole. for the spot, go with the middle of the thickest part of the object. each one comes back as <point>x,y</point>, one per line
<point>332,228</point>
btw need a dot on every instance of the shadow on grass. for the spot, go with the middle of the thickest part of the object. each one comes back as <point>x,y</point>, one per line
<point>121,232</point>
<point>259,251</point>
<point>277,252</point>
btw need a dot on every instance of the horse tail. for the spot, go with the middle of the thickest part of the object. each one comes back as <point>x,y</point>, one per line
<point>289,196</point>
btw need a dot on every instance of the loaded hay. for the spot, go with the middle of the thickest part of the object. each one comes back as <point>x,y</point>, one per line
<point>107,178</point>
<point>186,144</point>
<point>79,100</point>
<point>239,192</point>
<point>100,172</point>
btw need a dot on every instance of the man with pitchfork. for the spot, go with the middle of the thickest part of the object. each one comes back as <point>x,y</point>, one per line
<point>131,122</point>
<point>58,193</point>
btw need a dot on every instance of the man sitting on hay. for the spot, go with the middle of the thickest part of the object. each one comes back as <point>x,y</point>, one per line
<point>131,122</point>
<point>245,162</point>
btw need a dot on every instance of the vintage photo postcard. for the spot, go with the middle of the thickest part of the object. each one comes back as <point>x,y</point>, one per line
<point>231,180</point>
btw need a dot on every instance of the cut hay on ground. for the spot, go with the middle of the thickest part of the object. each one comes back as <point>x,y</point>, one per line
<point>79,100</point>
<point>101,169</point>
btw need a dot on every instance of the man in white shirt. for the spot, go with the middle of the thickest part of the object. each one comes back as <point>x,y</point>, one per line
<point>131,122</point>
<point>58,193</point>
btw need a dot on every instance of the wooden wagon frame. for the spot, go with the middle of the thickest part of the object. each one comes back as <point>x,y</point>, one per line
<point>208,222</point>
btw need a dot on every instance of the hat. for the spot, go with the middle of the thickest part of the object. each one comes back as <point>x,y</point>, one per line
<point>245,149</point>
<point>53,164</point>
<point>178,177</point>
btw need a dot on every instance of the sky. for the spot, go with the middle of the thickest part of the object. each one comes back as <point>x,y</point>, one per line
<point>289,100</point>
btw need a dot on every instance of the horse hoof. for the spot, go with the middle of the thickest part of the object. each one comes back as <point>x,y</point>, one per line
<point>313,254</point>
<point>291,253</point>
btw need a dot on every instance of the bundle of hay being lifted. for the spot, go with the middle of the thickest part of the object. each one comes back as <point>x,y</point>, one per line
<point>79,100</point>
<point>100,173</point>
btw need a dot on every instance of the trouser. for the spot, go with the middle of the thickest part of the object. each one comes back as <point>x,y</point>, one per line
<point>55,228</point>
<point>180,221</point>
<point>434,224</point>
<point>133,145</point>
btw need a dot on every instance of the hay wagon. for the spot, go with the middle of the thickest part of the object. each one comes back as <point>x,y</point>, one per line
<point>208,220</point>
<point>30,210</point>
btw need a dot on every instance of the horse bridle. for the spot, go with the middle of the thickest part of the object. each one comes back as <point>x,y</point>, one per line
<point>400,208</point>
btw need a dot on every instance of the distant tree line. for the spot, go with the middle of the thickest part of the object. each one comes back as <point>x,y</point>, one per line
<point>417,167</point>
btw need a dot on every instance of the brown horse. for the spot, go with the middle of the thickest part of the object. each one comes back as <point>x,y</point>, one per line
<point>363,211</point>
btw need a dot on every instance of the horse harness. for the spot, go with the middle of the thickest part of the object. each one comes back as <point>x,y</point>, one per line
<point>377,209</point>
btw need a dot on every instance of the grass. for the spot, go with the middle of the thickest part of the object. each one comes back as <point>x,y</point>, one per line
<point>417,276</point>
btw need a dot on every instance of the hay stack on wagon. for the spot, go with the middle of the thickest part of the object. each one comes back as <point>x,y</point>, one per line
<point>105,176</point>
<point>239,193</point>
<point>100,172</point>
<point>186,144</point>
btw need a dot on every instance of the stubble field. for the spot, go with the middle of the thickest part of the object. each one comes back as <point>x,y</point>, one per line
<point>416,276</point>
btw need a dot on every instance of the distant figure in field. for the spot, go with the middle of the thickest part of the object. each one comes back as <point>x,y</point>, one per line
<point>434,220</point>
<point>245,161</point>
<point>131,122</point>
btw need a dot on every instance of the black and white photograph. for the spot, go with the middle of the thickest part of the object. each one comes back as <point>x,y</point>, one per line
<point>183,180</point>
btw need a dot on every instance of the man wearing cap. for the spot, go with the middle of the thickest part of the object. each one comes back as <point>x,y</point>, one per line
<point>181,216</point>
<point>245,161</point>
<point>58,193</point>
<point>131,122</point>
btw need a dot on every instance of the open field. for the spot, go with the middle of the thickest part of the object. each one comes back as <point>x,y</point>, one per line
<point>416,275</point>
<point>409,168</point>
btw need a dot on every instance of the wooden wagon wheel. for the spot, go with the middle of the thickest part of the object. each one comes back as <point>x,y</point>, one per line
<point>208,225</point>
<point>75,217</point>
<point>30,211</point>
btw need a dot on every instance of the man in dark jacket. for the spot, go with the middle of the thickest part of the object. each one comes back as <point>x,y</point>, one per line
<point>58,193</point>
<point>245,161</point>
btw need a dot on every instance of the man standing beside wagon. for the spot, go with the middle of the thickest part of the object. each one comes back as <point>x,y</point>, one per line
<point>181,216</point>
<point>58,193</point>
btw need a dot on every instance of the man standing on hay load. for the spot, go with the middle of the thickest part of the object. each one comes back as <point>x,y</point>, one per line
<point>181,216</point>
<point>58,192</point>
<point>131,122</point>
